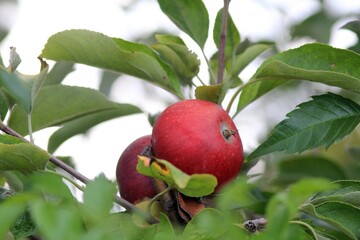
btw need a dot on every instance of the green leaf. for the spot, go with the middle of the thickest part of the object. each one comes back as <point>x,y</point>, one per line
<point>209,223</point>
<point>3,106</point>
<point>130,230</point>
<point>115,54</point>
<point>245,58</point>
<point>39,81</point>
<point>99,196</point>
<point>23,88</point>
<point>300,191</point>
<point>232,35</point>
<point>12,208</point>
<point>284,206</point>
<point>210,93</point>
<point>355,27</point>
<point>24,226</point>
<point>84,123</point>
<point>311,231</point>
<point>317,26</point>
<point>58,72</point>
<point>327,226</point>
<point>195,185</point>
<point>190,16</point>
<point>164,230</point>
<point>321,121</point>
<point>18,155</point>
<point>297,167</point>
<point>321,235</point>
<point>13,180</point>
<point>50,183</point>
<point>314,62</point>
<point>108,79</point>
<point>348,192</point>
<point>57,222</point>
<point>341,214</point>
<point>346,196</point>
<point>108,229</point>
<point>58,104</point>
<point>112,228</point>
<point>16,88</point>
<point>240,194</point>
<point>240,58</point>
<point>297,194</point>
<point>176,53</point>
<point>279,213</point>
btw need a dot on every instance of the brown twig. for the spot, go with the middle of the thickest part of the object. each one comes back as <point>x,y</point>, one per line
<point>122,202</point>
<point>167,200</point>
<point>222,45</point>
<point>52,159</point>
<point>164,193</point>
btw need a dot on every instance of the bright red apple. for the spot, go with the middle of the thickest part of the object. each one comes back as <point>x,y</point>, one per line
<point>133,186</point>
<point>199,136</point>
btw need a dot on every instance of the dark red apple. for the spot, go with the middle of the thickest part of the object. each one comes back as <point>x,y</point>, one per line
<point>199,136</point>
<point>133,186</point>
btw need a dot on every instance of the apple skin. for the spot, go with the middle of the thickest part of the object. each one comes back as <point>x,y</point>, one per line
<point>190,135</point>
<point>133,186</point>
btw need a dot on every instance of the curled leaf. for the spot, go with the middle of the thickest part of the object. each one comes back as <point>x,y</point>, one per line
<point>211,93</point>
<point>173,50</point>
<point>188,207</point>
<point>195,185</point>
<point>14,60</point>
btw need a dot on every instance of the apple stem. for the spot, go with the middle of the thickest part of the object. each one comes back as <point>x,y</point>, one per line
<point>168,201</point>
<point>157,197</point>
<point>238,91</point>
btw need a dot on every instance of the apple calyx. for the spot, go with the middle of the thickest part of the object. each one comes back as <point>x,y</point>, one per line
<point>227,133</point>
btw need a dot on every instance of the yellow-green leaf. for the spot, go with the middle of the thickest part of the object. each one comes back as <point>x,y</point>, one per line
<point>195,185</point>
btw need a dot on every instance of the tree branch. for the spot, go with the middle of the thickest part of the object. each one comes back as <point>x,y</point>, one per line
<point>122,202</point>
<point>167,200</point>
<point>222,45</point>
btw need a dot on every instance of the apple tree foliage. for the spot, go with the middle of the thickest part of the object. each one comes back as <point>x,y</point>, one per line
<point>309,188</point>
